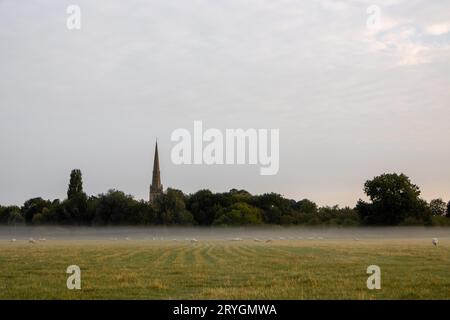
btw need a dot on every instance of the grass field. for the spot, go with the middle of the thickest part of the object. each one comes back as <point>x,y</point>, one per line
<point>308,269</point>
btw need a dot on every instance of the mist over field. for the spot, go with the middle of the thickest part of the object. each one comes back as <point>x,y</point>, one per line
<point>224,263</point>
<point>55,233</point>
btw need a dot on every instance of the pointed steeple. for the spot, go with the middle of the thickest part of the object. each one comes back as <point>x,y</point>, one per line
<point>156,181</point>
<point>156,187</point>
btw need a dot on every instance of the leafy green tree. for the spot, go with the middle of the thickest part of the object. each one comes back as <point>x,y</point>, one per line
<point>338,216</point>
<point>393,199</point>
<point>142,213</point>
<point>76,208</point>
<point>273,207</point>
<point>240,213</point>
<point>15,217</point>
<point>170,208</point>
<point>34,206</point>
<point>437,207</point>
<point>240,195</point>
<point>306,206</point>
<point>76,205</point>
<point>75,184</point>
<point>114,208</point>
<point>91,208</point>
<point>10,215</point>
<point>203,205</point>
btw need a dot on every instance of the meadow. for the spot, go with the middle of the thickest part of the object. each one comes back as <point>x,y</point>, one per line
<point>218,269</point>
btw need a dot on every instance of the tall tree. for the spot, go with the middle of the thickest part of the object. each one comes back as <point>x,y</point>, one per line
<point>75,207</point>
<point>75,184</point>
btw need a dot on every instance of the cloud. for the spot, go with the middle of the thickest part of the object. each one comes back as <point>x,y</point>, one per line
<point>406,40</point>
<point>438,29</point>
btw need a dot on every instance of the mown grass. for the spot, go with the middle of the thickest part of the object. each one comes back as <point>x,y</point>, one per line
<point>309,269</point>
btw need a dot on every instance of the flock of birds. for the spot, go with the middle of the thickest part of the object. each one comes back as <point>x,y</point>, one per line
<point>434,241</point>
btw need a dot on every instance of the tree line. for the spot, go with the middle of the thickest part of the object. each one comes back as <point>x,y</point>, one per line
<point>393,200</point>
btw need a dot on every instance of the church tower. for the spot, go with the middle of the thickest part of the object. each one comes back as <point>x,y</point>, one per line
<point>156,187</point>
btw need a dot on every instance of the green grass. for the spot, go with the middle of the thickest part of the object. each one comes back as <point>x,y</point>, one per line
<point>309,269</point>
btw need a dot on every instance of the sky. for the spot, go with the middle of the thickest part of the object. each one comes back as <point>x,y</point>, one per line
<point>356,89</point>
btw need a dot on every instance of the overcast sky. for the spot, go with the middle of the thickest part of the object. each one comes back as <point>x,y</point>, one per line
<point>351,102</point>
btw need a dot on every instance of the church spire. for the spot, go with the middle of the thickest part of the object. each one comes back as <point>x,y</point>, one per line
<point>156,187</point>
<point>156,181</point>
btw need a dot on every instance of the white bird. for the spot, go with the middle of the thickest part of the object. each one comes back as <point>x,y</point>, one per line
<point>435,241</point>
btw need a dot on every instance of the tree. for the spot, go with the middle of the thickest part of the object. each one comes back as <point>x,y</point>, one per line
<point>170,208</point>
<point>437,207</point>
<point>75,184</point>
<point>10,215</point>
<point>76,204</point>
<point>15,217</point>
<point>306,206</point>
<point>448,210</point>
<point>240,213</point>
<point>393,199</point>
<point>141,213</point>
<point>114,207</point>
<point>338,216</point>
<point>273,207</point>
<point>203,205</point>
<point>33,207</point>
